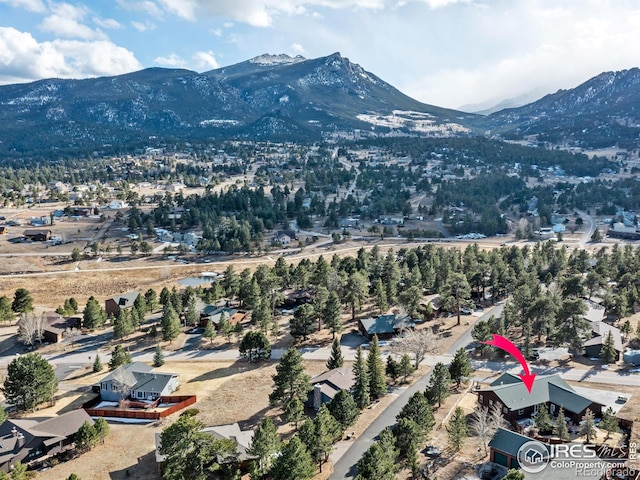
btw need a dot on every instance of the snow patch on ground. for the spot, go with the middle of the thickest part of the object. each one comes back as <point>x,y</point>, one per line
<point>415,121</point>
<point>218,122</point>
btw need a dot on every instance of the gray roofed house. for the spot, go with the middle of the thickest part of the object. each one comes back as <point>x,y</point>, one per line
<point>138,381</point>
<point>517,403</point>
<point>33,440</point>
<point>600,330</point>
<point>385,326</point>
<point>120,302</point>
<point>328,384</point>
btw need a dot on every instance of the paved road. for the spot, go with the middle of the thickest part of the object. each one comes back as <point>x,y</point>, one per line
<point>589,227</point>
<point>345,467</point>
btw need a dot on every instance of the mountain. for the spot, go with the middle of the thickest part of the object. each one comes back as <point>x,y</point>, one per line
<point>489,107</point>
<point>270,96</point>
<point>604,111</point>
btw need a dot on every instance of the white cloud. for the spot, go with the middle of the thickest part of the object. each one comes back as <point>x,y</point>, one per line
<point>31,5</point>
<point>217,32</point>
<point>181,8</point>
<point>172,60</point>
<point>22,58</point>
<point>144,6</point>
<point>64,21</point>
<point>205,60</point>
<point>143,27</point>
<point>107,23</point>
<point>297,48</point>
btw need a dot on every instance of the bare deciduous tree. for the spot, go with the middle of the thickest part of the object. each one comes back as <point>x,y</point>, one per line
<point>123,380</point>
<point>415,342</point>
<point>485,421</point>
<point>30,328</point>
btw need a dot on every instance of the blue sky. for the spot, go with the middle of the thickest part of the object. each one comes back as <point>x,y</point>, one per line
<point>449,53</point>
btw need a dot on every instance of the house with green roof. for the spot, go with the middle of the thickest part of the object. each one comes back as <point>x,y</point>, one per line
<point>504,446</point>
<point>385,326</point>
<point>516,403</point>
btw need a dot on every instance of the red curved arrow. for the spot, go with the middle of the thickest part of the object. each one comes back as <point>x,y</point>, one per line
<point>508,346</point>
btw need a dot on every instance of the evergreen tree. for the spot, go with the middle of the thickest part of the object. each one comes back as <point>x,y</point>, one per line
<point>86,437</point>
<point>264,445</point>
<point>392,368</point>
<point>192,316</point>
<point>457,430</point>
<point>97,364</point>
<point>380,295</point>
<point>254,346</point>
<point>151,299</point>
<point>608,353</point>
<point>387,441</point>
<point>455,292</point>
<point>158,357</point>
<point>122,326</point>
<point>6,314</point>
<point>303,322</point>
<point>405,367</point>
<point>226,329</point>
<point>439,384</point>
<point>408,435</point>
<point>360,388</point>
<point>210,331</point>
<point>22,301</point>
<point>588,425</point>
<point>335,359</point>
<point>560,426</point>
<point>294,412</point>
<point>93,315</point>
<point>101,428</point>
<point>375,465</point>
<point>418,410</point>
<point>328,431</point>
<point>170,323</point>
<point>290,379</point>
<point>294,462</point>
<point>344,409</point>
<point>73,476</point>
<point>542,418</point>
<point>514,474</point>
<point>30,380</point>
<point>609,422</point>
<point>332,314</point>
<point>119,356</point>
<point>376,370</point>
<point>460,367</point>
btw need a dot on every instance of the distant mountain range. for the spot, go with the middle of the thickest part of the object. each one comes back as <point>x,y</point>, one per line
<point>280,97</point>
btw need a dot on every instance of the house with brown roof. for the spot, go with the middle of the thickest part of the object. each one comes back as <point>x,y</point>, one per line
<point>56,326</point>
<point>328,384</point>
<point>33,440</point>
<point>37,235</point>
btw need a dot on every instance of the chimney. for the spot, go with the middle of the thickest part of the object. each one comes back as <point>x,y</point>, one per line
<point>14,432</point>
<point>20,440</point>
<point>317,397</point>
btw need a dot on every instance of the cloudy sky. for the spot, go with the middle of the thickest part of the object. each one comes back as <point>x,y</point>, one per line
<point>450,53</point>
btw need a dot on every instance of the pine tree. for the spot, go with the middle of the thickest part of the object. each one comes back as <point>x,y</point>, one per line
<point>588,427</point>
<point>460,367</point>
<point>290,379</point>
<point>542,418</point>
<point>226,329</point>
<point>335,359</point>
<point>170,323</point>
<point>294,462</point>
<point>97,364</point>
<point>151,299</point>
<point>328,431</point>
<point>303,322</point>
<point>191,315</point>
<point>30,380</point>
<point>457,430</point>
<point>294,412</point>
<point>93,315</point>
<point>380,295</point>
<point>375,465</point>
<point>344,409</point>
<point>332,313</point>
<point>439,384</point>
<point>119,356</point>
<point>392,369</point>
<point>376,370</point>
<point>408,435</point>
<point>514,474</point>
<point>360,388</point>
<point>608,353</point>
<point>158,357</point>
<point>609,422</point>
<point>418,410</point>
<point>560,426</point>
<point>86,437</point>
<point>264,445</point>
<point>122,326</point>
<point>101,428</point>
<point>210,331</point>
<point>405,367</point>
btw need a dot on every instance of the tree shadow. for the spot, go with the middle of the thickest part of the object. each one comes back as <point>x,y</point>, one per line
<point>239,366</point>
<point>145,468</point>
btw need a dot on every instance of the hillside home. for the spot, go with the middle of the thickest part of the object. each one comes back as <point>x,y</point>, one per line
<point>328,384</point>
<point>385,326</point>
<point>31,440</point>
<point>516,403</point>
<point>120,302</point>
<point>137,381</point>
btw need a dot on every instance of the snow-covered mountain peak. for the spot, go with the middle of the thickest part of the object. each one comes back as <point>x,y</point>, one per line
<point>280,59</point>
